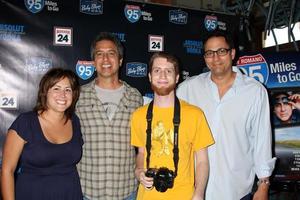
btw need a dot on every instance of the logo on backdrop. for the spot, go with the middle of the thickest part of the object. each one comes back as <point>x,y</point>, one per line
<point>34,6</point>
<point>254,66</point>
<point>38,65</point>
<point>132,13</point>
<point>210,22</point>
<point>178,17</point>
<point>147,16</point>
<point>121,36</point>
<point>156,43</point>
<point>136,69</point>
<point>91,7</point>
<point>11,32</point>
<point>193,46</point>
<point>222,26</point>
<point>52,5</point>
<point>63,36</point>
<point>8,100</point>
<point>85,69</point>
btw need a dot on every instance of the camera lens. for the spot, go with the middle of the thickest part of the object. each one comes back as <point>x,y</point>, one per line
<point>150,172</point>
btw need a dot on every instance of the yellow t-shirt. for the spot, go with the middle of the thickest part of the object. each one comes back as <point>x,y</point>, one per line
<point>194,134</point>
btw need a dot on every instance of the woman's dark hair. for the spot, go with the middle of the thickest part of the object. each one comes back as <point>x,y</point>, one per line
<point>53,76</point>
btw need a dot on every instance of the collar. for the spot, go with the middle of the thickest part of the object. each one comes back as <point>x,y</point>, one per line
<point>92,93</point>
<point>238,81</point>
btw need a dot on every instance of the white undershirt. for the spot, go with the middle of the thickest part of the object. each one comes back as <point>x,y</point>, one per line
<point>110,99</point>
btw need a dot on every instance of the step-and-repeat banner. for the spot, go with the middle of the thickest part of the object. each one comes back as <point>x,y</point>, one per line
<point>36,35</point>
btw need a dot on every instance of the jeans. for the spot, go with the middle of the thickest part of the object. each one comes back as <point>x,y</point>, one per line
<point>132,196</point>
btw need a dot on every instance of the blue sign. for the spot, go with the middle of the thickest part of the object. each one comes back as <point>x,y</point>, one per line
<point>136,69</point>
<point>132,13</point>
<point>255,66</point>
<point>193,46</point>
<point>210,22</point>
<point>277,70</point>
<point>178,17</point>
<point>91,7</point>
<point>34,6</point>
<point>85,69</point>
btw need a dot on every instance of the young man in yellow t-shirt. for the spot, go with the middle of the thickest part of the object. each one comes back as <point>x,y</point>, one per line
<point>186,176</point>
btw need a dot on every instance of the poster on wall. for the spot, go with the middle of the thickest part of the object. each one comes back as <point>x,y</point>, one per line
<point>280,73</point>
<point>286,121</point>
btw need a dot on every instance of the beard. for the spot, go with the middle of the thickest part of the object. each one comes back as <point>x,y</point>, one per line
<point>163,91</point>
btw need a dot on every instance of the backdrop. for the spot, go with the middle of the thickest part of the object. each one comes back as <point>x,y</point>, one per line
<point>36,35</point>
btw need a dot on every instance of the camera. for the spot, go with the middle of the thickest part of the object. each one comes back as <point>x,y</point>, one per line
<point>163,178</point>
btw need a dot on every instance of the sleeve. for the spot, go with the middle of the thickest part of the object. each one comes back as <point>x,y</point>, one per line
<point>262,136</point>
<point>203,137</point>
<point>77,128</point>
<point>182,91</point>
<point>22,125</point>
<point>137,134</point>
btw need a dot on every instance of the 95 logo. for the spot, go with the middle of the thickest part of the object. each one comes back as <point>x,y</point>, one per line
<point>8,100</point>
<point>254,66</point>
<point>85,69</point>
<point>63,36</point>
<point>210,22</point>
<point>34,6</point>
<point>132,13</point>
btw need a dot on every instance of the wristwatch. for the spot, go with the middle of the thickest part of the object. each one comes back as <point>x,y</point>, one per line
<point>263,181</point>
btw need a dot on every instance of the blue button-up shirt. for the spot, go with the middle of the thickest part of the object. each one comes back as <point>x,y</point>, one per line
<point>240,124</point>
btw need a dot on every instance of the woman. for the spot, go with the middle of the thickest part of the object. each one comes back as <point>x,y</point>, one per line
<point>45,145</point>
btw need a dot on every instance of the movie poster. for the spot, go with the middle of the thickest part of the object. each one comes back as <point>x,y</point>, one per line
<point>280,73</point>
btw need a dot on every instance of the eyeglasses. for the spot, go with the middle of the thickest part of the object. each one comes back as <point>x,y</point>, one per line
<point>219,52</point>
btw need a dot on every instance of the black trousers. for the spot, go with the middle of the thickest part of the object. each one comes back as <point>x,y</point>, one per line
<point>247,197</point>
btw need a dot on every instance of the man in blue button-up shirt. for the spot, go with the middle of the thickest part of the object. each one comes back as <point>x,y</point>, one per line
<point>237,110</point>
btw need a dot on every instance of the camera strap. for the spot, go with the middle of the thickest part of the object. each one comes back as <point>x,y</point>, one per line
<point>176,122</point>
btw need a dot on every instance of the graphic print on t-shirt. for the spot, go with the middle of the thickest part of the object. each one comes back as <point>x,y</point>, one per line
<point>164,137</point>
<point>110,109</point>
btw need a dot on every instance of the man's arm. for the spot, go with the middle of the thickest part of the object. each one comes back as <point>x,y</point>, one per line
<point>262,140</point>
<point>201,175</point>
<point>262,190</point>
<point>140,171</point>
